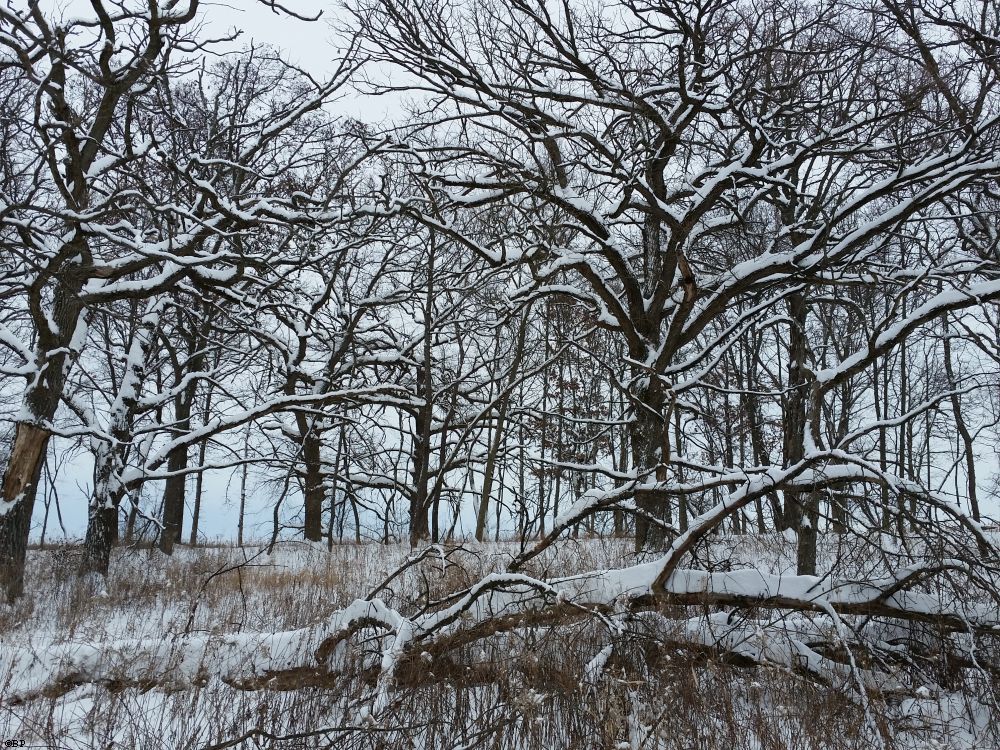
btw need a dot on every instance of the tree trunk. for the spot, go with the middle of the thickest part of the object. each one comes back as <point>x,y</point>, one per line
<point>337,520</point>
<point>839,500</point>
<point>175,485</point>
<point>102,522</point>
<point>102,533</point>
<point>20,483</point>
<point>133,514</point>
<point>648,436</point>
<point>102,519</point>
<point>243,499</point>
<point>498,434</point>
<point>682,503</point>
<point>424,417</point>
<point>881,408</point>
<point>419,525</point>
<point>199,483</point>
<point>808,534</point>
<point>801,507</point>
<point>903,405</point>
<point>761,455</point>
<point>621,465</point>
<point>313,491</point>
<point>55,352</point>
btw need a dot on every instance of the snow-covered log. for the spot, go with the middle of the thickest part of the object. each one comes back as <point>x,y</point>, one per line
<point>508,601</point>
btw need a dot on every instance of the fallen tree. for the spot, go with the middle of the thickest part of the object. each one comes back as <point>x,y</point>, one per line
<point>744,615</point>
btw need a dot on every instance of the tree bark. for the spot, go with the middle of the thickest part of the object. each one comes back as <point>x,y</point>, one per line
<point>102,523</point>
<point>175,485</point>
<point>839,500</point>
<point>102,533</point>
<point>314,494</point>
<point>200,481</point>
<point>102,519</point>
<point>801,508</point>
<point>55,353</point>
<point>648,436</point>
<point>419,520</point>
<point>808,534</point>
<point>424,416</point>
<point>174,490</point>
<point>795,407</point>
<point>20,483</point>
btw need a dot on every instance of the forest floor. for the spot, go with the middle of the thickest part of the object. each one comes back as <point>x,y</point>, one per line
<point>537,688</point>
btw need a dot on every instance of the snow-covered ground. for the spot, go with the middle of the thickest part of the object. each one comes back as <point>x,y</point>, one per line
<point>530,686</point>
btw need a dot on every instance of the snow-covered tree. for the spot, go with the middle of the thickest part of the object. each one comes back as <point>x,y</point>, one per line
<point>118,197</point>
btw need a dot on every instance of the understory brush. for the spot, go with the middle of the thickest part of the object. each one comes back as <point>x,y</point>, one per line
<point>620,681</point>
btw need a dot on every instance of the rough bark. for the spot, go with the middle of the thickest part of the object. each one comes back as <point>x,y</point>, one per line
<point>795,405</point>
<point>55,353</point>
<point>102,533</point>
<point>314,494</point>
<point>20,483</point>
<point>174,486</point>
<point>419,510</point>
<point>647,436</point>
<point>102,525</point>
<point>801,508</point>
<point>102,521</point>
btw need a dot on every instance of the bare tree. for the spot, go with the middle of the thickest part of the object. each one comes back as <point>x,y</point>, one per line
<point>119,208</point>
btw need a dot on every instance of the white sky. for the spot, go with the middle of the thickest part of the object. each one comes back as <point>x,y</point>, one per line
<point>311,45</point>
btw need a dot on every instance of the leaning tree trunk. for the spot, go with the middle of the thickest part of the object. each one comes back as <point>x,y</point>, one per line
<point>20,483</point>
<point>58,343</point>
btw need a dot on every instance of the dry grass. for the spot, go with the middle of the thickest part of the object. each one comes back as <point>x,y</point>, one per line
<point>521,689</point>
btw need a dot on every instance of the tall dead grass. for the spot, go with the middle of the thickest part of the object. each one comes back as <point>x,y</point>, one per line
<point>525,688</point>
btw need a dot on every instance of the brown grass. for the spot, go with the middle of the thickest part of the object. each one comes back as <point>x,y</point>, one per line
<point>519,689</point>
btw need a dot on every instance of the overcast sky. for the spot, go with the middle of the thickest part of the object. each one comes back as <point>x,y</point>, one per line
<point>308,44</point>
<point>311,45</point>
